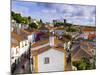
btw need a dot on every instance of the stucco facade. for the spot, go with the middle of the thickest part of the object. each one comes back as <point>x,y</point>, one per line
<point>57,61</point>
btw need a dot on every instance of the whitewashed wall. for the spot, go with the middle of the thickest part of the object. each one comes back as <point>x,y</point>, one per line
<point>56,61</point>
<point>24,48</point>
<point>13,53</point>
<point>21,50</point>
<point>30,38</point>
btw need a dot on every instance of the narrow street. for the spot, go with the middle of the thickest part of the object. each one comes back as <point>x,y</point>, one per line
<point>22,67</point>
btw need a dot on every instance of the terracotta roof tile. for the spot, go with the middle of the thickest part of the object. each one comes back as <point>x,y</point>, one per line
<point>59,49</point>
<point>46,48</point>
<point>14,44</point>
<point>43,28</point>
<point>16,36</point>
<point>41,42</point>
<point>80,54</point>
<point>41,50</point>
<point>31,31</point>
<point>88,29</point>
<point>58,42</point>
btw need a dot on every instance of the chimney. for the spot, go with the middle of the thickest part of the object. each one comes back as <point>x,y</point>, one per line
<point>52,39</point>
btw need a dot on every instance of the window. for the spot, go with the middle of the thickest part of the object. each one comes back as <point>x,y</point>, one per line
<point>25,44</point>
<point>46,60</point>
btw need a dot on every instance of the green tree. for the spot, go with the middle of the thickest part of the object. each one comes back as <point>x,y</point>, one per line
<point>29,19</point>
<point>16,16</point>
<point>24,20</point>
<point>69,26</point>
<point>72,30</point>
<point>58,24</point>
<point>12,15</point>
<point>94,62</point>
<point>33,25</point>
<point>41,21</point>
<point>83,64</point>
<point>67,37</point>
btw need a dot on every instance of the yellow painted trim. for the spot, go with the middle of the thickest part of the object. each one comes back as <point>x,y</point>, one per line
<point>36,63</point>
<point>65,62</point>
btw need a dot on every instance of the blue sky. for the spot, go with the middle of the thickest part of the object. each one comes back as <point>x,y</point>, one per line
<point>76,14</point>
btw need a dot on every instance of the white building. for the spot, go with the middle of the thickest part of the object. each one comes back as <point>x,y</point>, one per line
<point>47,57</point>
<point>31,35</point>
<point>19,46</point>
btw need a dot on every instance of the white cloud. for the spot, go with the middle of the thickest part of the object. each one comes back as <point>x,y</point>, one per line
<point>22,10</point>
<point>49,11</point>
<point>80,14</point>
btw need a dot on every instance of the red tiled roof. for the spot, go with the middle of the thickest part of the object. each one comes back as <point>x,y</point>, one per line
<point>57,42</point>
<point>90,36</point>
<point>16,36</point>
<point>14,44</point>
<point>31,31</point>
<point>46,48</point>
<point>41,50</point>
<point>80,54</point>
<point>88,29</point>
<point>41,42</point>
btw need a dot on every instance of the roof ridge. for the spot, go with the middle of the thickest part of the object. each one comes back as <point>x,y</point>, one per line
<point>46,48</point>
<point>86,51</point>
